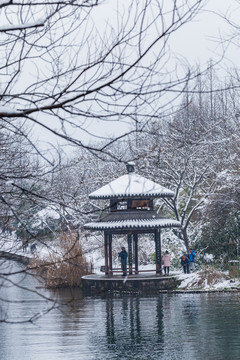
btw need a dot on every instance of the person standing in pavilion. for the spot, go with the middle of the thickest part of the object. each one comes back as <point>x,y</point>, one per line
<point>123,256</point>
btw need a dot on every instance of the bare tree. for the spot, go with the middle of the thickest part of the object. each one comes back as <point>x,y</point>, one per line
<point>62,68</point>
<point>187,150</point>
<point>66,64</point>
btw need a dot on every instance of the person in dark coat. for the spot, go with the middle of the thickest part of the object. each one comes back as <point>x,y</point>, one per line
<point>123,255</point>
<point>185,264</point>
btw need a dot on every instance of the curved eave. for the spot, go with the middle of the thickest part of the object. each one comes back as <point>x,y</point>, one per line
<point>131,196</point>
<point>133,225</point>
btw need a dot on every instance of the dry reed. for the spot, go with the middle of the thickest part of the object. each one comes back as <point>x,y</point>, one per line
<point>211,276</point>
<point>65,267</point>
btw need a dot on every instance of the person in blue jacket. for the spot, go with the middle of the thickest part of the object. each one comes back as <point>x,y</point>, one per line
<point>123,255</point>
<point>185,264</point>
<point>191,255</point>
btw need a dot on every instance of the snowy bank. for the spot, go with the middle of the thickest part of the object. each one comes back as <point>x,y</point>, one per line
<point>208,279</point>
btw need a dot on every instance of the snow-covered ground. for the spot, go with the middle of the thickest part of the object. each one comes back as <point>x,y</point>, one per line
<point>10,243</point>
<point>208,280</point>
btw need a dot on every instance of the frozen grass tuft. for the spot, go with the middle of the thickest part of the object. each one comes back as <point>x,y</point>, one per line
<point>210,276</point>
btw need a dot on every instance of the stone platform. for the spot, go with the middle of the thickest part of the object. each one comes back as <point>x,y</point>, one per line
<point>141,283</point>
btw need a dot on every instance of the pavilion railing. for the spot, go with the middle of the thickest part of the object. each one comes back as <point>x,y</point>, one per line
<point>119,270</point>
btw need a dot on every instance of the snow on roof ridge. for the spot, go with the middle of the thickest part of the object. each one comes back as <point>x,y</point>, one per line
<point>131,184</point>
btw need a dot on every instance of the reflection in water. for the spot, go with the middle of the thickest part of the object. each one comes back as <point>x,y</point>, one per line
<point>129,324</point>
<point>110,333</point>
<point>168,326</point>
<point>134,326</point>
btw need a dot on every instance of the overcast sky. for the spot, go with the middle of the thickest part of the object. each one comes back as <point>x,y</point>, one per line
<point>197,41</point>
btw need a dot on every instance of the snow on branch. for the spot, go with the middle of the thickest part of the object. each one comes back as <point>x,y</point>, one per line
<point>5,3</point>
<point>4,110</point>
<point>22,26</point>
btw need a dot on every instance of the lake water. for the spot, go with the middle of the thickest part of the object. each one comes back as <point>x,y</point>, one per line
<point>167,326</point>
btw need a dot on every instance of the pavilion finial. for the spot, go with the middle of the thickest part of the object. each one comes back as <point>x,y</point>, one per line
<point>130,166</point>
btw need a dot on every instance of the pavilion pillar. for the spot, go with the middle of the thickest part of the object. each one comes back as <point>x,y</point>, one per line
<point>130,253</point>
<point>157,235</point>
<point>110,254</point>
<point>106,252</point>
<point>135,241</point>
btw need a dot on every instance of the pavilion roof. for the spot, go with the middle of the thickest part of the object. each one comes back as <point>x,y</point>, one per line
<point>129,186</point>
<point>132,220</point>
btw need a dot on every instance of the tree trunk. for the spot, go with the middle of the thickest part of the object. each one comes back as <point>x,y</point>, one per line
<point>185,238</point>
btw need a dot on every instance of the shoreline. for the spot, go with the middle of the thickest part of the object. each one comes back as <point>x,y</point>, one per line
<point>188,280</point>
<point>200,291</point>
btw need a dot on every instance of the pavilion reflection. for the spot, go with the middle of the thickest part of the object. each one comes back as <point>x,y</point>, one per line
<point>134,320</point>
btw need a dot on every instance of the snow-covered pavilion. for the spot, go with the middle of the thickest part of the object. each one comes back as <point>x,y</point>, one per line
<point>131,212</point>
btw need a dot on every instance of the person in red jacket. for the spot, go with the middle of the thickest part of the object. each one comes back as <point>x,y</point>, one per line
<point>166,262</point>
